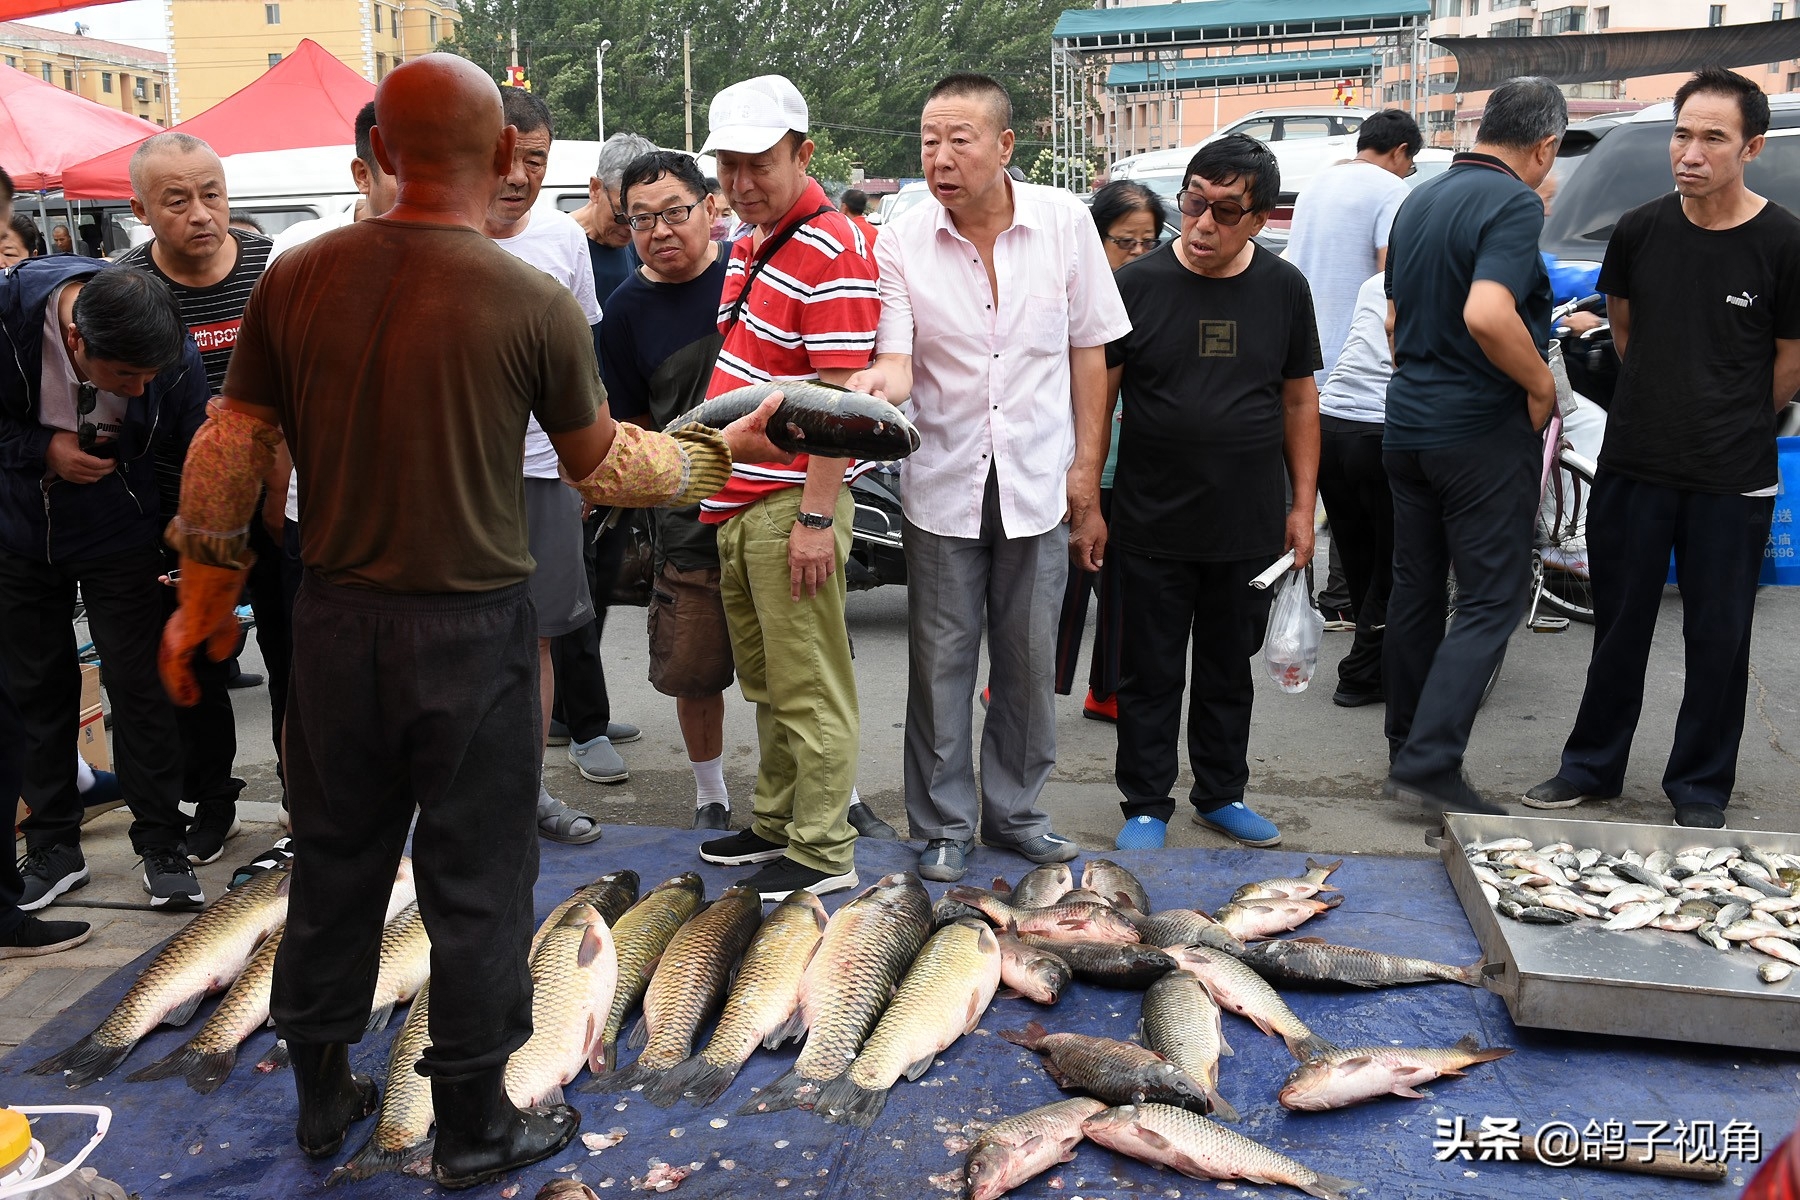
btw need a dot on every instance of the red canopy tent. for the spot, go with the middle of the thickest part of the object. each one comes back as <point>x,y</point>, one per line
<point>44,129</point>
<point>307,99</point>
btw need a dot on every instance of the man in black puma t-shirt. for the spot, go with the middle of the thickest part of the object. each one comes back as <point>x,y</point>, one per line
<point>1703,288</point>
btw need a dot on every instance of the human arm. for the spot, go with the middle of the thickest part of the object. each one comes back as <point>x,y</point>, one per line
<point>1092,404</point>
<point>889,378</point>
<point>1300,447</point>
<point>1493,321</point>
<point>1787,371</point>
<point>812,553</point>
<point>1618,314</point>
<point>275,490</point>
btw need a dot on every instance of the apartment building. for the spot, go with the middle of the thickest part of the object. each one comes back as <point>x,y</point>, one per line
<point>219,46</point>
<point>128,78</point>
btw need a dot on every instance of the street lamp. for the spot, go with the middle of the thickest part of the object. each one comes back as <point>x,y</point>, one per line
<point>600,88</point>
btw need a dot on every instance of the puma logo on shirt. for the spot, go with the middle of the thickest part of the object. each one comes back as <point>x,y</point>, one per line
<point>1742,300</point>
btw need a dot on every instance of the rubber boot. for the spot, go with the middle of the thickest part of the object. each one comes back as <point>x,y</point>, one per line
<point>482,1136</point>
<point>331,1098</point>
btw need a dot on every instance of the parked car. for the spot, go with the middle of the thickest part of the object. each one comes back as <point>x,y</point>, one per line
<point>1304,140</point>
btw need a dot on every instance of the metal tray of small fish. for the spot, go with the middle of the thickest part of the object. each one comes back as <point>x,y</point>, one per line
<point>1631,983</point>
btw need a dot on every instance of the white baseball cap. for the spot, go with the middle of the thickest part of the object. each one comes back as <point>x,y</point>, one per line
<point>750,117</point>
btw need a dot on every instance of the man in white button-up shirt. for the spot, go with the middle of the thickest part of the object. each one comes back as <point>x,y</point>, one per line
<point>996,307</point>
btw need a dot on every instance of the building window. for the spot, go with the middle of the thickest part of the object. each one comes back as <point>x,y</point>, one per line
<point>378,18</point>
<point>380,66</point>
<point>1793,81</point>
<point>44,70</point>
<point>159,91</point>
<point>68,80</point>
<point>1776,13</point>
<point>1474,7</point>
<point>106,82</point>
<point>12,61</point>
<point>1715,14</point>
<point>1446,8</point>
<point>273,59</point>
<point>1563,20</point>
<point>1602,18</point>
<point>1516,28</point>
<point>271,14</point>
<point>434,28</point>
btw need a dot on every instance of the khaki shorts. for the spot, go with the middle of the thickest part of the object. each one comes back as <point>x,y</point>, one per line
<point>690,644</point>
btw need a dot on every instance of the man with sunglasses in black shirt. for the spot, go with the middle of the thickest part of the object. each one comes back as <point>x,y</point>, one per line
<point>1217,379</point>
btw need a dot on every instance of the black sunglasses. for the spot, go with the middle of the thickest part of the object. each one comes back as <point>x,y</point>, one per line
<point>1224,212</point>
<point>87,398</point>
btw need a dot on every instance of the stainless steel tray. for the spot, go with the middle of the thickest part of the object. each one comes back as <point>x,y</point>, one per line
<point>1633,983</point>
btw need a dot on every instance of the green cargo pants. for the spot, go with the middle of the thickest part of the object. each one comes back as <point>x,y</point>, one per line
<point>793,663</point>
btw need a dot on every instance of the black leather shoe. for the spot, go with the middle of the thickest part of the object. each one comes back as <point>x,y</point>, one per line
<point>482,1136</point>
<point>862,818</point>
<point>712,816</point>
<point>331,1098</point>
<point>1344,699</point>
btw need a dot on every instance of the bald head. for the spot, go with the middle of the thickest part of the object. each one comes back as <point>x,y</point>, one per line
<point>438,120</point>
<point>154,154</point>
<point>178,190</point>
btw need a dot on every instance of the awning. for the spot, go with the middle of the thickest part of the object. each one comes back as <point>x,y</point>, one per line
<point>1301,66</point>
<point>307,99</point>
<point>1229,20</point>
<point>1484,63</point>
<point>44,129</point>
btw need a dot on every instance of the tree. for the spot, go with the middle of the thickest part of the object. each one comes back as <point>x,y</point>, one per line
<point>864,68</point>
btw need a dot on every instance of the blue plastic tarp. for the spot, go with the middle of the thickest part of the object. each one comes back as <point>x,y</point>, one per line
<point>166,1141</point>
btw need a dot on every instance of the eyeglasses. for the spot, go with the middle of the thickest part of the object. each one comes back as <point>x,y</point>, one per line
<point>87,398</point>
<point>678,215</point>
<point>1411,171</point>
<point>1130,244</point>
<point>1224,212</point>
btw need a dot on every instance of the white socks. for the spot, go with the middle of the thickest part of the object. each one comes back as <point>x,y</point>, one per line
<point>84,775</point>
<point>854,798</point>
<point>709,782</point>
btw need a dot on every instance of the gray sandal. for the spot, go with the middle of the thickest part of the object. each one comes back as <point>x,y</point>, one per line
<point>558,822</point>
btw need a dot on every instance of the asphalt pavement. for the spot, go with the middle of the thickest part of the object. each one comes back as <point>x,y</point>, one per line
<point>1315,769</point>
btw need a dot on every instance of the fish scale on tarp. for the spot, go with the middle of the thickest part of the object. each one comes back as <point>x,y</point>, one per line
<point>167,1141</point>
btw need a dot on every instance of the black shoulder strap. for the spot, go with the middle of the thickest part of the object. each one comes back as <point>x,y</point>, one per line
<point>758,262</point>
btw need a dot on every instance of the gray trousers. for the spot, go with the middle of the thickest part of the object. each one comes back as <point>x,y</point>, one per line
<point>951,583</point>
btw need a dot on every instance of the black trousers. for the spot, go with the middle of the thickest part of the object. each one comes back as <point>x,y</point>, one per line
<point>268,600</point>
<point>1109,621</point>
<point>581,700</point>
<point>1718,543</point>
<point>12,778</point>
<point>125,609</point>
<point>1354,485</point>
<point>208,730</point>
<point>1210,608</point>
<point>401,701</point>
<point>1471,506</point>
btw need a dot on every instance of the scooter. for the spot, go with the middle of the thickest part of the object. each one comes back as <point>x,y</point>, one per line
<point>877,555</point>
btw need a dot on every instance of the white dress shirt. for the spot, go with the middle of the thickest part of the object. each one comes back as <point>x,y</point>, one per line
<point>991,382</point>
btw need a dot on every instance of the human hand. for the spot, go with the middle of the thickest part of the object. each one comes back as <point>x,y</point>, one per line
<point>812,557</point>
<point>1581,320</point>
<point>870,381</point>
<point>1087,535</point>
<point>1300,536</point>
<point>748,436</point>
<point>206,616</point>
<point>65,456</point>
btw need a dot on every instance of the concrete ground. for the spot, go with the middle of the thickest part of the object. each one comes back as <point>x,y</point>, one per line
<point>1315,769</point>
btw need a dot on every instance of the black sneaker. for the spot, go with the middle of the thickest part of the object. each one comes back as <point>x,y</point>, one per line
<point>712,815</point>
<point>278,855</point>
<point>170,880</point>
<point>34,937</point>
<point>50,871</point>
<point>776,880</point>
<point>1464,799</point>
<point>1555,792</point>
<point>206,838</point>
<point>1700,816</point>
<point>862,818</point>
<point>1344,698</point>
<point>740,849</point>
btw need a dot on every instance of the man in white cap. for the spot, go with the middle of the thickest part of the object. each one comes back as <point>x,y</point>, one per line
<point>799,303</point>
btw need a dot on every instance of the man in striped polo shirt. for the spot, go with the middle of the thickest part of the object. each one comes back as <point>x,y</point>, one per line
<point>799,303</point>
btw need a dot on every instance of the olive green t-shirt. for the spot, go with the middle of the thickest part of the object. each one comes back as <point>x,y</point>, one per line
<point>402,360</point>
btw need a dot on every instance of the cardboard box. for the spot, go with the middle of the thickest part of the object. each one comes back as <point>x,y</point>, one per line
<point>90,687</point>
<point>91,743</point>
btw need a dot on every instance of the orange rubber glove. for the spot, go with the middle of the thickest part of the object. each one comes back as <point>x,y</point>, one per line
<point>207,616</point>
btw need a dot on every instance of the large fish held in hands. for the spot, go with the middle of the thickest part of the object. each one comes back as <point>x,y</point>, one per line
<point>1201,1149</point>
<point>574,971</point>
<point>1312,962</point>
<point>1346,1077</point>
<point>689,984</point>
<point>1023,1147</point>
<point>941,999</point>
<point>814,418</point>
<point>639,938</point>
<point>867,947</point>
<point>1117,1072</point>
<point>206,955</point>
<point>1182,1024</point>
<point>402,1134</point>
<point>762,1008</point>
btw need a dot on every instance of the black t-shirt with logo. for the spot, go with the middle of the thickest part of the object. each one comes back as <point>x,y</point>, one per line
<point>1200,474</point>
<point>1694,406</point>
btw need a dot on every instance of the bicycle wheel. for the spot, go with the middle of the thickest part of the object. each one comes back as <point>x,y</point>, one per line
<point>1561,543</point>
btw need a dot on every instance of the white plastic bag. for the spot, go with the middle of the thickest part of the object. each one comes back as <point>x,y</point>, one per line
<point>1291,647</point>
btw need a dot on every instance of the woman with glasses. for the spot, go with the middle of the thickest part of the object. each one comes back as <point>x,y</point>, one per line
<point>1131,218</point>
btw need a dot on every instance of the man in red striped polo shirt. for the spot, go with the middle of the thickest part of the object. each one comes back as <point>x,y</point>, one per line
<point>799,303</point>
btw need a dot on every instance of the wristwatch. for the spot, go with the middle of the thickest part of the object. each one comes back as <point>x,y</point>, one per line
<point>814,520</point>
